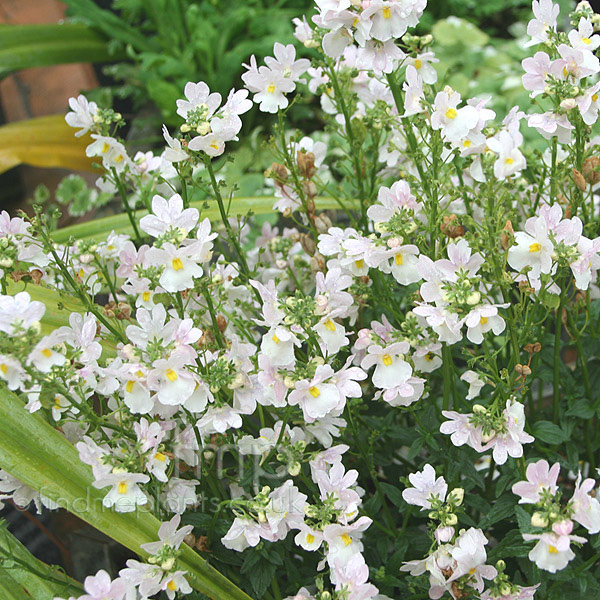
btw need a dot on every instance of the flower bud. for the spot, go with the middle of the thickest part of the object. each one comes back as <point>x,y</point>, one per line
<point>486,437</point>
<point>451,519</point>
<point>168,564</point>
<point>504,589</point>
<point>473,298</point>
<point>443,534</point>
<point>478,408</point>
<point>568,104</point>
<point>539,520</point>
<point>456,496</point>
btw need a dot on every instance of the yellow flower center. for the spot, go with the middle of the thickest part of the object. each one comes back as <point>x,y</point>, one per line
<point>586,41</point>
<point>387,360</point>
<point>429,356</point>
<point>552,550</point>
<point>535,247</point>
<point>275,339</point>
<point>565,72</point>
<point>172,585</point>
<point>214,146</point>
<point>122,489</point>
<point>347,539</point>
<point>310,538</point>
<point>129,386</point>
<point>171,375</point>
<point>105,148</point>
<point>387,13</point>
<point>314,391</point>
<point>271,89</point>
<point>399,259</point>
<point>418,63</point>
<point>451,113</point>
<point>146,296</point>
<point>467,143</point>
<point>472,571</point>
<point>359,263</point>
<point>119,158</point>
<point>594,97</point>
<point>329,325</point>
<point>160,456</point>
<point>177,264</point>
<point>509,161</point>
<point>4,368</point>
<point>483,320</point>
<point>47,352</point>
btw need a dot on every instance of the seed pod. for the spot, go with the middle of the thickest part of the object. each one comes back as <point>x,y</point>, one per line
<point>507,235</point>
<point>278,172</point>
<point>322,223</point>
<point>310,189</point>
<point>579,180</point>
<point>451,227</point>
<point>591,169</point>
<point>306,164</point>
<point>309,245</point>
<point>317,262</point>
<point>221,323</point>
<point>523,370</point>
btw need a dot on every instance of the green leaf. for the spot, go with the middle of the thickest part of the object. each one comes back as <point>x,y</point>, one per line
<point>502,508</point>
<point>26,46</point>
<point>549,432</point>
<point>101,228</point>
<point>30,577</point>
<point>455,31</point>
<point>393,494</point>
<point>38,455</point>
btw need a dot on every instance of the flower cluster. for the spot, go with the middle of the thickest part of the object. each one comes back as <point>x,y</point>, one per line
<point>291,392</point>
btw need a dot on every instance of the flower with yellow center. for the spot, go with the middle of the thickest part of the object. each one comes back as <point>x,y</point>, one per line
<point>451,113</point>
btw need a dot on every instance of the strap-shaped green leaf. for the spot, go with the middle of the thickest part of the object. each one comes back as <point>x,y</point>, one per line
<point>99,229</point>
<point>26,46</point>
<point>38,455</point>
<point>27,577</point>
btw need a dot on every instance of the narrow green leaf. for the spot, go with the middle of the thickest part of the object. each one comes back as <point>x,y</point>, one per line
<point>26,46</point>
<point>38,455</point>
<point>101,228</point>
<point>35,578</point>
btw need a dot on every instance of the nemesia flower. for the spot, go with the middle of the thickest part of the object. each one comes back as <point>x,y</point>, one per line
<point>82,114</point>
<point>425,487</point>
<point>539,477</point>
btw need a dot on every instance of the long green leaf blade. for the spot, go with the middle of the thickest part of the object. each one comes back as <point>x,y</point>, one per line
<point>101,228</point>
<point>39,456</point>
<point>26,46</point>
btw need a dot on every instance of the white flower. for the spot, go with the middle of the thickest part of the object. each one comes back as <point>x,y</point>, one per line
<point>475,383</point>
<point>11,371</point>
<point>180,266</point>
<point>125,493</point>
<point>169,214</point>
<point>82,114</point>
<point>454,122</point>
<point>18,313</point>
<point>391,369</point>
<point>113,153</point>
<point>425,488</point>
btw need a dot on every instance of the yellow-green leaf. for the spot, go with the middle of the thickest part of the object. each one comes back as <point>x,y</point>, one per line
<point>43,142</point>
<point>38,455</point>
<point>99,229</point>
